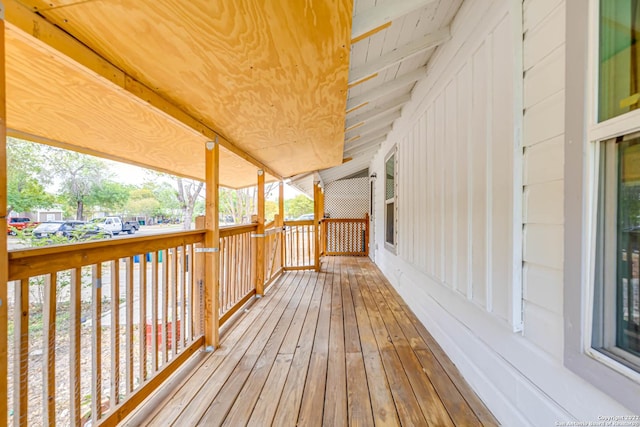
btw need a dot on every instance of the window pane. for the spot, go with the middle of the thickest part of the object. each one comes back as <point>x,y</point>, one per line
<point>628,253</point>
<point>619,62</point>
<point>390,222</point>
<point>389,177</point>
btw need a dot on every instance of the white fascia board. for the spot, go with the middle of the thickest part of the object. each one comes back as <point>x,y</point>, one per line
<point>430,41</point>
<point>387,88</point>
<point>379,15</point>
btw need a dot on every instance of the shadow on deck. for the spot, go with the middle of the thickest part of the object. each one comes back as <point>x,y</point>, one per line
<point>334,348</point>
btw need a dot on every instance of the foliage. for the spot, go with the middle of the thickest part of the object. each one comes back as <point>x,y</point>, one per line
<point>142,201</point>
<point>110,195</point>
<point>270,210</point>
<point>188,193</point>
<point>80,177</point>
<point>240,204</point>
<point>25,177</point>
<point>297,206</point>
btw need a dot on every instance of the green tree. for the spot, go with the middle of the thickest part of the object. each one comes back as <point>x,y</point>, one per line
<point>80,176</point>
<point>25,177</point>
<point>110,195</point>
<point>297,206</point>
<point>188,193</point>
<point>270,210</point>
<point>142,201</point>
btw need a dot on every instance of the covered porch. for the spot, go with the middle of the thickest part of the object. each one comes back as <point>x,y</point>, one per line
<point>335,347</point>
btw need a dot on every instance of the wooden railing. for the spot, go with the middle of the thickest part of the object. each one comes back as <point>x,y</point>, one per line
<point>237,268</point>
<point>299,245</point>
<point>345,236</point>
<point>96,327</point>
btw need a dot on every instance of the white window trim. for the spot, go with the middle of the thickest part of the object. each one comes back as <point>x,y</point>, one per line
<point>391,247</point>
<point>583,138</point>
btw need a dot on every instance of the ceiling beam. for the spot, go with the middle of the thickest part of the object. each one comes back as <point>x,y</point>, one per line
<point>369,149</point>
<point>398,55</point>
<point>19,16</point>
<point>387,88</point>
<point>375,139</point>
<point>375,17</point>
<point>382,121</point>
<point>377,131</point>
<point>380,110</point>
<point>367,129</point>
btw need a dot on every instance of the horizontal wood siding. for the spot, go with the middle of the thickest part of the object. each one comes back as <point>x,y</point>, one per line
<point>543,197</point>
<point>455,172</point>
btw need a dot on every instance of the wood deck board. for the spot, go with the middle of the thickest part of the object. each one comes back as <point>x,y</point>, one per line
<point>232,341</point>
<point>474,403</point>
<point>337,347</point>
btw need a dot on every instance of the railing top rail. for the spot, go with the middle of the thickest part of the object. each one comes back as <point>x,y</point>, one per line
<point>31,262</point>
<point>233,230</point>
<point>345,220</point>
<point>298,223</point>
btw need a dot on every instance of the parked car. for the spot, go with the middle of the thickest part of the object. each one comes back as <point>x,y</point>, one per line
<point>18,223</point>
<point>73,230</point>
<point>305,217</point>
<point>115,225</point>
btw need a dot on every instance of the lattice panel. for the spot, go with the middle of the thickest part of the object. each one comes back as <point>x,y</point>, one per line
<point>347,198</point>
<point>346,237</point>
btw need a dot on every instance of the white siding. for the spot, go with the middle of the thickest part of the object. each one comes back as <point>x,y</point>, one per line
<point>543,217</point>
<point>463,234</point>
<point>457,265</point>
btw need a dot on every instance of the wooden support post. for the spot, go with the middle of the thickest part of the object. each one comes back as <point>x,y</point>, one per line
<point>317,194</point>
<point>281,224</point>
<point>260,237</point>
<point>211,246</point>
<point>281,203</point>
<point>4,257</point>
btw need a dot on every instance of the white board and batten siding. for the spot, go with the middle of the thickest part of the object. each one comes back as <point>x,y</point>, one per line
<point>544,75</point>
<point>480,210</point>
<point>456,210</point>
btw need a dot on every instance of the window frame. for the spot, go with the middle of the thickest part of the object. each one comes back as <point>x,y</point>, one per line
<point>584,136</point>
<point>392,247</point>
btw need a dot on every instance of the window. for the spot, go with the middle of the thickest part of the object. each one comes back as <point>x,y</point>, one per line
<point>390,200</point>
<point>619,82</point>
<point>601,156</point>
<point>616,319</point>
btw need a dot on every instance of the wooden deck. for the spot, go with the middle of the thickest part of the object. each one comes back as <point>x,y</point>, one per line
<point>333,348</point>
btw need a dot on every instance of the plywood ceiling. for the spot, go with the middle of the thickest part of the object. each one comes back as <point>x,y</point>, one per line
<point>52,100</point>
<point>270,76</point>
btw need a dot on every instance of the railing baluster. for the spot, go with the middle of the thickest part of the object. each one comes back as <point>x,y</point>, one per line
<point>142,319</point>
<point>154,311</point>
<point>115,332</point>
<point>174,299</point>
<point>21,359</point>
<point>183,299</point>
<point>189,315</point>
<point>96,345</point>
<point>129,326</point>
<point>165,305</point>
<point>75,346</point>
<point>49,368</point>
